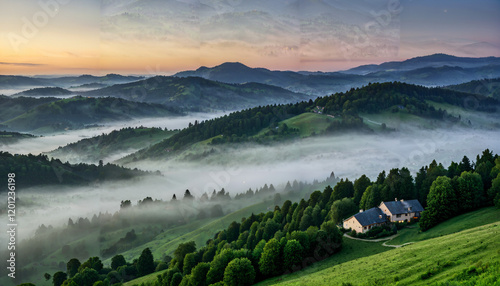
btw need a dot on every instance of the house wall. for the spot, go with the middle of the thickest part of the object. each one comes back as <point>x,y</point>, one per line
<point>386,211</point>
<point>402,217</point>
<point>395,217</point>
<point>369,227</point>
<point>353,224</point>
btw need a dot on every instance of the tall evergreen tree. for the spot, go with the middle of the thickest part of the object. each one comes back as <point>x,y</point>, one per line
<point>145,264</point>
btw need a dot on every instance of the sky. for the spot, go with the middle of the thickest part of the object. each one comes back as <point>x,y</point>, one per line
<point>167,36</point>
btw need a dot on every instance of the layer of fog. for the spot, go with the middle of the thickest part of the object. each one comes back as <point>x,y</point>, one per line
<point>11,91</point>
<point>242,166</point>
<point>51,142</point>
<point>238,169</point>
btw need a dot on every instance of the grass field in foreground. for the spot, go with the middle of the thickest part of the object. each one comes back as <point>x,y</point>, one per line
<point>432,261</point>
<point>462,222</point>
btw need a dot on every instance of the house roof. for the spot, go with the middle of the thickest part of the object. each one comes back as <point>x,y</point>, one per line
<point>371,216</point>
<point>401,207</point>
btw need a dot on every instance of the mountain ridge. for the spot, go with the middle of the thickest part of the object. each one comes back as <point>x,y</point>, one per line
<point>434,60</point>
<point>199,94</point>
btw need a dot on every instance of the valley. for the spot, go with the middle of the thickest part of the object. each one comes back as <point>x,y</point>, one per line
<point>112,168</point>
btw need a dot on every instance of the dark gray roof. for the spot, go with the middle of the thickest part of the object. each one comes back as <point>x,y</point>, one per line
<point>371,216</point>
<point>401,207</point>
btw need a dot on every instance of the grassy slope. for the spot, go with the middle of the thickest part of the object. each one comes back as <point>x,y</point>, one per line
<point>457,240</point>
<point>466,221</point>
<point>358,253</point>
<point>469,113</point>
<point>206,229</point>
<point>308,123</point>
<point>164,243</point>
<point>393,120</point>
<point>199,231</point>
<point>351,250</point>
<point>404,266</point>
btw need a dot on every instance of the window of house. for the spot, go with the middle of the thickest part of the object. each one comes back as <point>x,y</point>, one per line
<point>398,215</point>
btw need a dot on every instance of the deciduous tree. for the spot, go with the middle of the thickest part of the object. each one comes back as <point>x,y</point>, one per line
<point>145,263</point>
<point>239,272</point>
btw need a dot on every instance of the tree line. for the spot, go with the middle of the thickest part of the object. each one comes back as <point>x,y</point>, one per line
<point>39,170</point>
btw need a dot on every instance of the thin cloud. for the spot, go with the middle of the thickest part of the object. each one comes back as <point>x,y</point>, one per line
<point>21,64</point>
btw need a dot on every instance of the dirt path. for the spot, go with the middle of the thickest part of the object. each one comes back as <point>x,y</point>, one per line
<point>386,239</point>
<point>397,245</point>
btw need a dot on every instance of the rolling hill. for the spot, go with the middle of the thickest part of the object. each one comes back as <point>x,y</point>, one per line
<point>198,94</point>
<point>42,172</point>
<point>44,91</point>
<point>86,86</point>
<point>77,112</point>
<point>7,138</point>
<point>105,147</point>
<point>422,107</point>
<point>486,87</point>
<point>12,107</point>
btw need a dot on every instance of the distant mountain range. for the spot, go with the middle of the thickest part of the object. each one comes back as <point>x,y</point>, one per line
<point>433,70</point>
<point>309,83</point>
<point>199,94</point>
<point>14,81</point>
<point>234,86</point>
<point>431,61</point>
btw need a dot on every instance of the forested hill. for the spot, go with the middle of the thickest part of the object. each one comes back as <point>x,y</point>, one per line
<point>196,93</point>
<point>116,142</point>
<point>486,87</point>
<point>44,91</point>
<point>12,107</point>
<point>76,112</point>
<point>31,170</point>
<point>12,137</point>
<point>343,107</point>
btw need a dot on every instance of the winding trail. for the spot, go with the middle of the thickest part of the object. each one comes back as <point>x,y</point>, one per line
<point>386,239</point>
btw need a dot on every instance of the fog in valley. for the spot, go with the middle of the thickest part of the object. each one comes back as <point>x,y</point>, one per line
<point>49,142</point>
<point>236,168</point>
